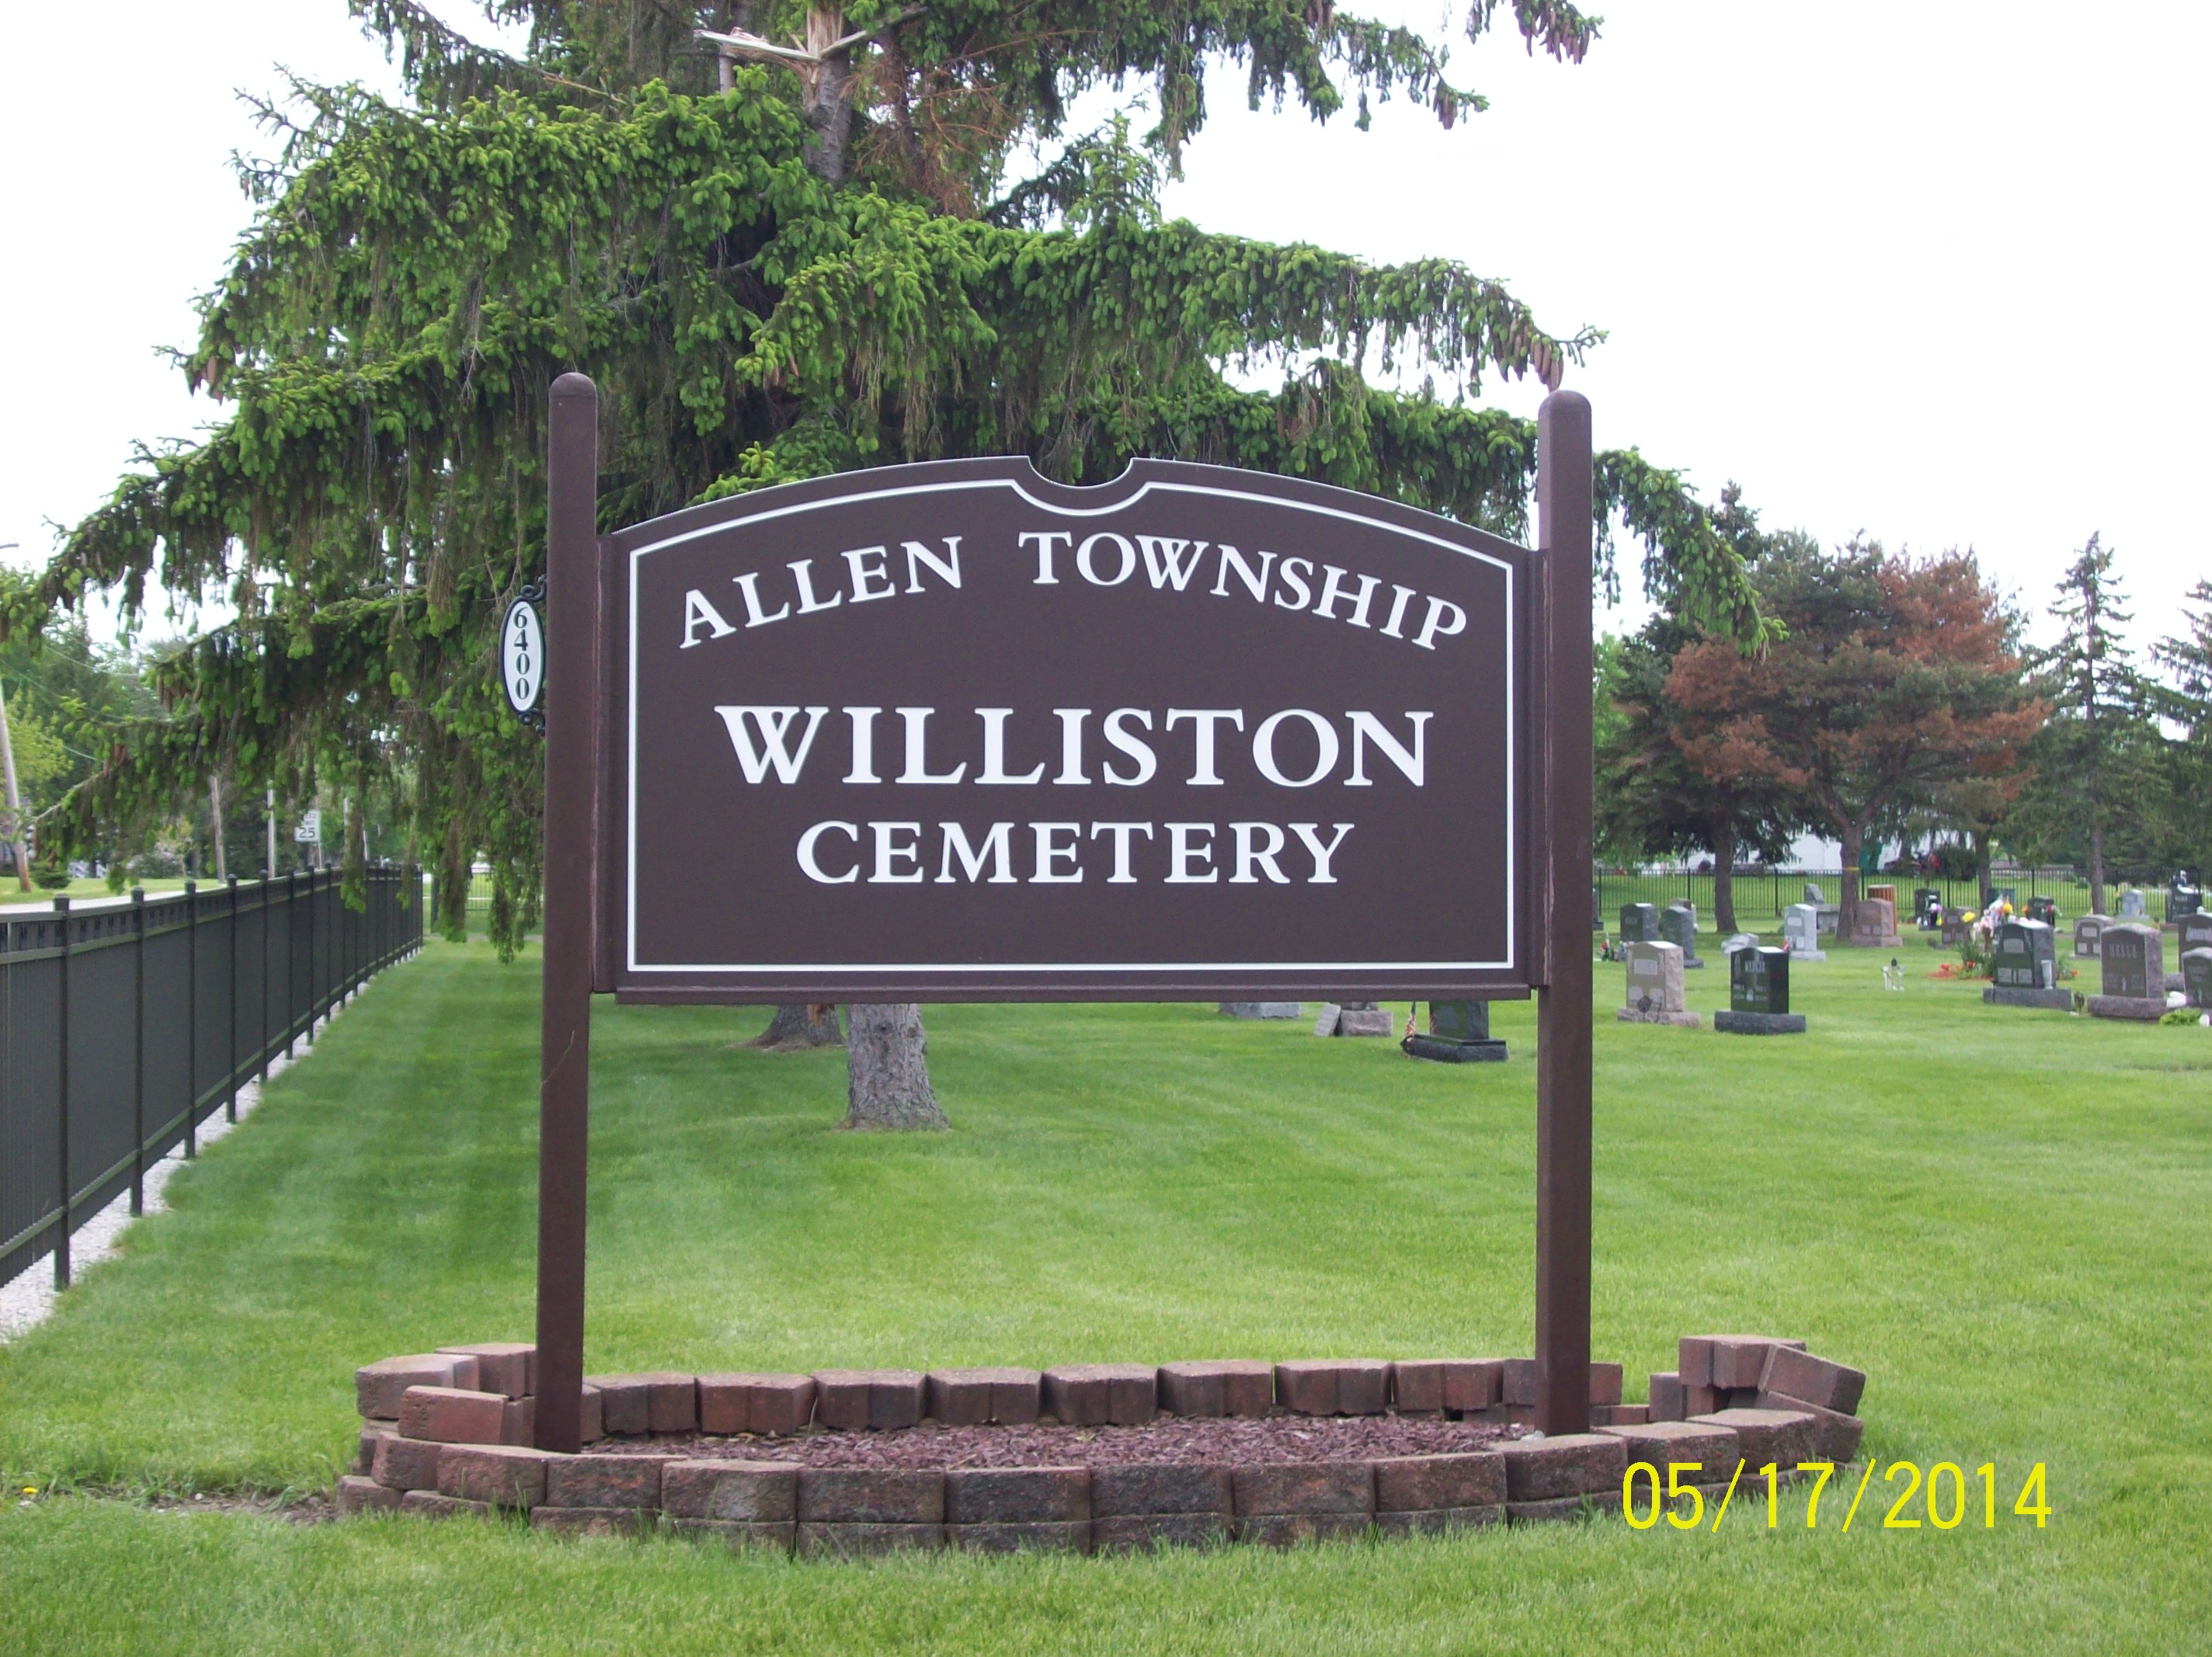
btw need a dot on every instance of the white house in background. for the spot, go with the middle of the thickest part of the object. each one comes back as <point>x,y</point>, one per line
<point>1811,851</point>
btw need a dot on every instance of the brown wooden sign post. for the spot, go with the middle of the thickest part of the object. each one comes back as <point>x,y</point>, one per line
<point>953,732</point>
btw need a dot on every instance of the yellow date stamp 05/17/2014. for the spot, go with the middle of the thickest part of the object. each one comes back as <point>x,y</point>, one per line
<point>1941,1498</point>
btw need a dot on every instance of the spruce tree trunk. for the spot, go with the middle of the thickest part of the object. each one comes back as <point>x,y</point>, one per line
<point>2097,868</point>
<point>829,98</point>
<point>888,1053</point>
<point>801,1024</point>
<point>885,1047</point>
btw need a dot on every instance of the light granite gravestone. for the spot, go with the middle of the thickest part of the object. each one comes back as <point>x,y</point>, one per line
<point>2086,931</point>
<point>1801,932</point>
<point>1813,895</point>
<point>1678,925</point>
<point>2026,971</point>
<point>1873,925</point>
<point>1640,923</point>
<point>2196,977</point>
<point>2133,959</point>
<point>1353,1018</point>
<point>1758,995</point>
<point>2133,905</point>
<point>1458,1033</point>
<point>1261,1009</point>
<point>1740,941</point>
<point>1654,988</point>
<point>1955,928</point>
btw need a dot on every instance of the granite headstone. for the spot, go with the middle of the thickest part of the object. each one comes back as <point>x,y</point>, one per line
<point>1758,995</point>
<point>1678,925</point>
<point>1873,925</point>
<point>1654,988</point>
<point>2183,896</point>
<point>1801,930</point>
<point>1458,1033</point>
<point>1640,923</point>
<point>2086,931</point>
<point>2133,958</point>
<point>2196,977</point>
<point>2026,969</point>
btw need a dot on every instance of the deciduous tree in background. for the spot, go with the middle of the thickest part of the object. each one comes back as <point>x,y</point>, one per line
<point>1667,783</point>
<point>1895,677</point>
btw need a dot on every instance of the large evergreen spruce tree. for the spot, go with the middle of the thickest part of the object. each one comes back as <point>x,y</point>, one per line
<point>800,248</point>
<point>2096,783</point>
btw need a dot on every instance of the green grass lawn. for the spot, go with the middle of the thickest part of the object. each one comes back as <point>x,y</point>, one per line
<point>2005,1217</point>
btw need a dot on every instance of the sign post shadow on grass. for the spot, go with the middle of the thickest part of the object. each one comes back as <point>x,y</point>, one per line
<point>954,731</point>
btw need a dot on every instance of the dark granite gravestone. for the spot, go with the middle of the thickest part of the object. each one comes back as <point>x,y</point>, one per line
<point>1640,923</point>
<point>2133,957</point>
<point>1955,928</point>
<point>2044,909</point>
<point>1678,925</point>
<point>1927,907</point>
<point>1458,1033</point>
<point>1598,911</point>
<point>1260,1008</point>
<point>2087,931</point>
<point>2183,896</point>
<point>2196,977</point>
<point>1758,995</point>
<point>2196,930</point>
<point>2027,968</point>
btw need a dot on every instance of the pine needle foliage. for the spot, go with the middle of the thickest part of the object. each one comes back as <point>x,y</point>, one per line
<point>417,275</point>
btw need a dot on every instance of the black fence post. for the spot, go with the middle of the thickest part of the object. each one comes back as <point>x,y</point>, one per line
<point>191,1020</point>
<point>230,1076</point>
<point>138,1051</point>
<point>261,1043</point>
<point>291,1011</point>
<point>314,975</point>
<point>62,1108</point>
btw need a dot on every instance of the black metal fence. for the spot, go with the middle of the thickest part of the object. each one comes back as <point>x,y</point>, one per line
<point>1761,899</point>
<point>124,1026</point>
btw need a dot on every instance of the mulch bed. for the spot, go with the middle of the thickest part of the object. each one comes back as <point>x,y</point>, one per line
<point>1172,1439</point>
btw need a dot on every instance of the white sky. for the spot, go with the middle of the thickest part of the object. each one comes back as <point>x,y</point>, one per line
<point>1923,270</point>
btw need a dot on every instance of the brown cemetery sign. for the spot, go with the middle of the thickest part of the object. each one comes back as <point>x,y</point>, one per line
<point>952,731</point>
